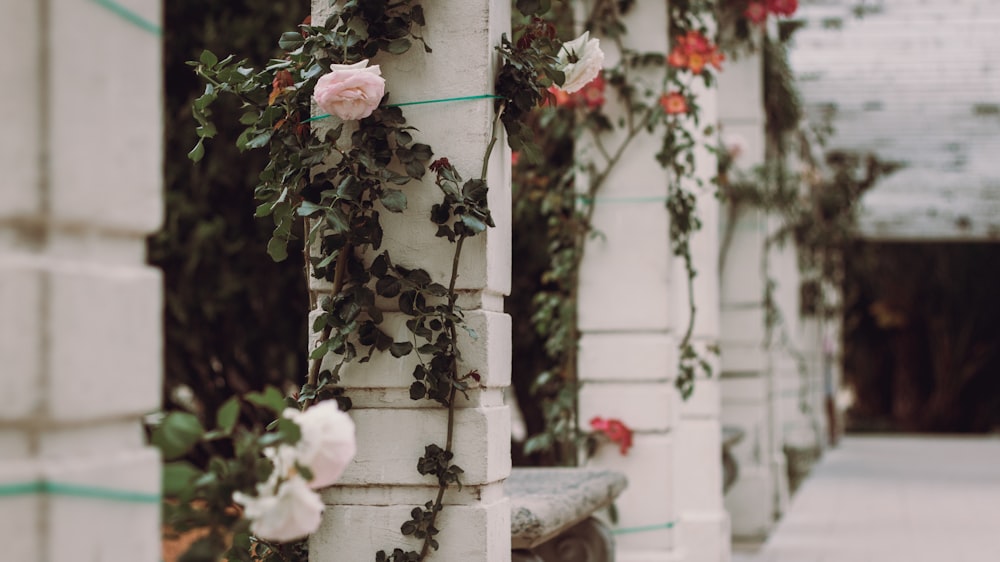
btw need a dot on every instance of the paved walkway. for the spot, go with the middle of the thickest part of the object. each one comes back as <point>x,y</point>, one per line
<point>894,499</point>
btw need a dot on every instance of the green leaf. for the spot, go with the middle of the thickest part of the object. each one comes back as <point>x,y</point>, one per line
<point>415,169</point>
<point>260,140</point>
<point>308,208</point>
<point>198,152</point>
<point>244,138</point>
<point>417,390</point>
<point>264,209</point>
<point>417,15</point>
<point>202,550</point>
<point>422,152</point>
<point>177,434</point>
<point>177,476</point>
<point>541,442</point>
<point>393,200</point>
<point>207,130</point>
<point>290,40</point>
<point>400,349</point>
<point>271,398</point>
<point>419,277</point>
<point>380,265</point>
<point>204,101</point>
<point>337,220</point>
<point>398,180</point>
<point>277,249</point>
<point>240,552</point>
<point>474,224</point>
<point>289,430</point>
<point>475,190</point>
<point>398,46</point>
<point>529,7</point>
<point>350,188</point>
<point>320,351</point>
<point>208,58</point>
<point>387,287</point>
<point>278,64</point>
<point>229,412</point>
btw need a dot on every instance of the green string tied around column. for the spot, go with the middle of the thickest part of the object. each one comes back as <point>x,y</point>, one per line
<point>650,199</point>
<point>129,16</point>
<point>643,529</point>
<point>45,487</point>
<point>422,102</point>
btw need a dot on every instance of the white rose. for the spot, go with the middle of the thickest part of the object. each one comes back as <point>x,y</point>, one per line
<point>283,458</point>
<point>581,60</point>
<point>327,445</point>
<point>292,513</point>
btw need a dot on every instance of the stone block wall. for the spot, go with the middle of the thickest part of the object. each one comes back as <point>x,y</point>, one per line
<point>80,312</point>
<point>750,394</point>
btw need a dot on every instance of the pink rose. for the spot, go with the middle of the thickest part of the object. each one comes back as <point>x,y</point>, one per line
<point>350,91</point>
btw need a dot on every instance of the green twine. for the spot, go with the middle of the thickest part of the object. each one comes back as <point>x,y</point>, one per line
<point>442,100</point>
<point>129,16</point>
<point>463,98</point>
<point>44,487</point>
<point>650,199</point>
<point>643,529</point>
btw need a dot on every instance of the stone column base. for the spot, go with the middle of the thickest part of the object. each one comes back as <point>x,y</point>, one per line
<point>706,536</point>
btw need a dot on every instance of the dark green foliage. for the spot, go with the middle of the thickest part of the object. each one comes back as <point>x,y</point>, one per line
<point>202,497</point>
<point>235,320</point>
<point>782,104</point>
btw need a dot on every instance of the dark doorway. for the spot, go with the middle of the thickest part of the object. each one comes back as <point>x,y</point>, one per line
<point>922,337</point>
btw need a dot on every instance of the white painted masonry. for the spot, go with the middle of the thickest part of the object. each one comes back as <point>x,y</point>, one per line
<point>704,523</point>
<point>365,510</point>
<point>80,328</point>
<point>633,313</point>
<point>772,385</point>
<point>749,381</point>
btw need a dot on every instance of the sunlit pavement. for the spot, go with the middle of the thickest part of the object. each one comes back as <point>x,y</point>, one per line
<point>894,499</point>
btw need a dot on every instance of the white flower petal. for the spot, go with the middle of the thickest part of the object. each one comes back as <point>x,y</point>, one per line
<point>292,513</point>
<point>589,61</point>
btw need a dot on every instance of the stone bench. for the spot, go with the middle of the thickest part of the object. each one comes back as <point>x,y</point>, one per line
<point>551,514</point>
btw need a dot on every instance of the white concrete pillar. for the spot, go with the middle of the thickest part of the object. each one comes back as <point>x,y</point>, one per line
<point>365,510</point>
<point>80,333</point>
<point>797,360</point>
<point>704,522</point>
<point>749,383</point>
<point>633,314</point>
<point>628,346</point>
